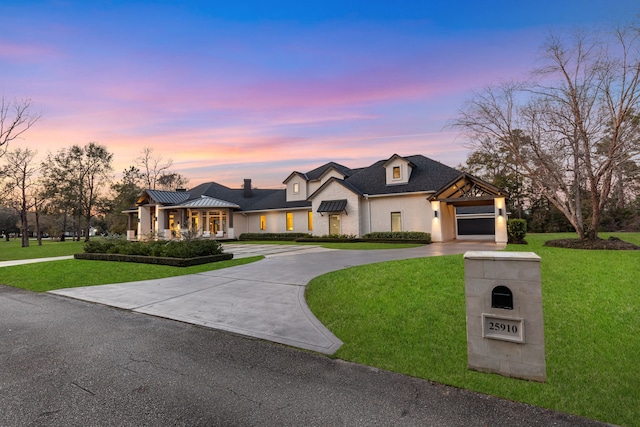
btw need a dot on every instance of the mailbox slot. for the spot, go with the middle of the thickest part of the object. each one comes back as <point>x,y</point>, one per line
<point>502,297</point>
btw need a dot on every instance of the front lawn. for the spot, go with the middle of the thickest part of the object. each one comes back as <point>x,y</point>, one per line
<point>47,276</point>
<point>409,317</point>
<point>13,250</point>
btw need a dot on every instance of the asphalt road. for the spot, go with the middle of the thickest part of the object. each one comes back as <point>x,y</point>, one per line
<point>74,363</point>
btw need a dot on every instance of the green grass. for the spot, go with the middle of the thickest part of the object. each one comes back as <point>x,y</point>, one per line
<point>12,249</point>
<point>47,276</point>
<point>409,317</point>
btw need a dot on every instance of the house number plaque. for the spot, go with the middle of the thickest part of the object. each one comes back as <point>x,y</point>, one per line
<point>502,328</point>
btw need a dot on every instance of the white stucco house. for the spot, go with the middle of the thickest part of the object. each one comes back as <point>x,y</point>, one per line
<point>412,193</point>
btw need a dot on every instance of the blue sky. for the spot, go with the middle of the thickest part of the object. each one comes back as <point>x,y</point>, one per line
<point>233,90</point>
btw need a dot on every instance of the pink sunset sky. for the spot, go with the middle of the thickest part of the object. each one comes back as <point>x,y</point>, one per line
<point>260,89</point>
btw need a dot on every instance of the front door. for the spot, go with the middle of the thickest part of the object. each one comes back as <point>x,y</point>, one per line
<point>334,224</point>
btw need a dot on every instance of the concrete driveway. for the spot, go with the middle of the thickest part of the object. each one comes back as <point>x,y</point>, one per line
<point>264,299</point>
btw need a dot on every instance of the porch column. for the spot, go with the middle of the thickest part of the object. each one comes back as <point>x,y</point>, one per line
<point>205,225</point>
<point>230,232</point>
<point>131,227</point>
<point>144,221</point>
<point>500,212</point>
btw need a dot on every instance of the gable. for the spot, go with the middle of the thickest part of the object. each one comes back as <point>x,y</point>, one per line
<point>467,190</point>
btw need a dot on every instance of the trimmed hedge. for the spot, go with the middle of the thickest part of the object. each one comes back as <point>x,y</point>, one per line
<point>272,236</point>
<point>338,240</point>
<point>160,248</point>
<point>377,237</point>
<point>398,235</point>
<point>172,262</point>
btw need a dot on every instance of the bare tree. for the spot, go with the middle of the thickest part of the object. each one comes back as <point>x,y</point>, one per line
<point>19,188</point>
<point>16,117</point>
<point>151,167</point>
<point>571,129</point>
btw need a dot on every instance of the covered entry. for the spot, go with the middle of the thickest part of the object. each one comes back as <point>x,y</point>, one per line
<point>469,208</point>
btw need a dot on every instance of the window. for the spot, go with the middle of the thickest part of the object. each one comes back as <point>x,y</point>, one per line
<point>289,221</point>
<point>263,222</point>
<point>334,224</point>
<point>310,220</point>
<point>396,172</point>
<point>296,188</point>
<point>396,221</point>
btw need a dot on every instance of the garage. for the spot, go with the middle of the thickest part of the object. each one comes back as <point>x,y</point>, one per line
<point>475,222</point>
<point>469,208</point>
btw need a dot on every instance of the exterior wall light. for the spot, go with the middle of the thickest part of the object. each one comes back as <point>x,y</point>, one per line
<point>435,214</point>
<point>499,211</point>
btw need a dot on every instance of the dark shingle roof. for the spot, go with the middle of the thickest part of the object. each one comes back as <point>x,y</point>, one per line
<point>261,199</point>
<point>427,175</point>
<point>319,171</point>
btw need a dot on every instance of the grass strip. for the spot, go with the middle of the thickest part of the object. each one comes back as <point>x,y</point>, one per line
<point>409,317</point>
<point>13,250</point>
<point>48,276</point>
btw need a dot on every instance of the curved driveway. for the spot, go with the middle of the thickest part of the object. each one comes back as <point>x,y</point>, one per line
<point>264,299</point>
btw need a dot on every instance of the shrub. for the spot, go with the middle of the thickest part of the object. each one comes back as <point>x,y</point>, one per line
<point>516,230</point>
<point>398,235</point>
<point>272,236</point>
<point>159,248</point>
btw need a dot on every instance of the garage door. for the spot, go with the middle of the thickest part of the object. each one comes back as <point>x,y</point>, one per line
<point>476,226</point>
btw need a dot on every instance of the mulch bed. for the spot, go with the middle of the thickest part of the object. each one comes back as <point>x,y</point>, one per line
<point>612,243</point>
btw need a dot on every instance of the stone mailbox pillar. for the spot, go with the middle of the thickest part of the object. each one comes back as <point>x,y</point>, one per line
<point>505,328</point>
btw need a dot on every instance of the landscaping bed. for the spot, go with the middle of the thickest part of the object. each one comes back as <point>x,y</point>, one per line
<point>376,237</point>
<point>612,243</point>
<point>174,253</point>
<point>157,260</point>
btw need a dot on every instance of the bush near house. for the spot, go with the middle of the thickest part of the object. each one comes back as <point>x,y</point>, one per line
<point>376,237</point>
<point>272,236</point>
<point>401,235</point>
<point>516,230</point>
<point>179,253</point>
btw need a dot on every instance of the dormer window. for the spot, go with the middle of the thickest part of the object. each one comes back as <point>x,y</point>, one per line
<point>398,170</point>
<point>296,188</point>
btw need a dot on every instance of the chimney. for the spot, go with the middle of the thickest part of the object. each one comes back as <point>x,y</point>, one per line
<point>247,188</point>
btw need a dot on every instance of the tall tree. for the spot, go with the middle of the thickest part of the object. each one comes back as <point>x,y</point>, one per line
<point>570,129</point>
<point>73,178</point>
<point>124,194</point>
<point>152,168</point>
<point>171,181</point>
<point>19,187</point>
<point>16,117</point>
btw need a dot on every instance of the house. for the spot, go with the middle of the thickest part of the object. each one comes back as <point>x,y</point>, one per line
<point>412,193</point>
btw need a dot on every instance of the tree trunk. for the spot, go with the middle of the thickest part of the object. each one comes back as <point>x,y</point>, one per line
<point>24,227</point>
<point>87,228</point>
<point>38,233</point>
